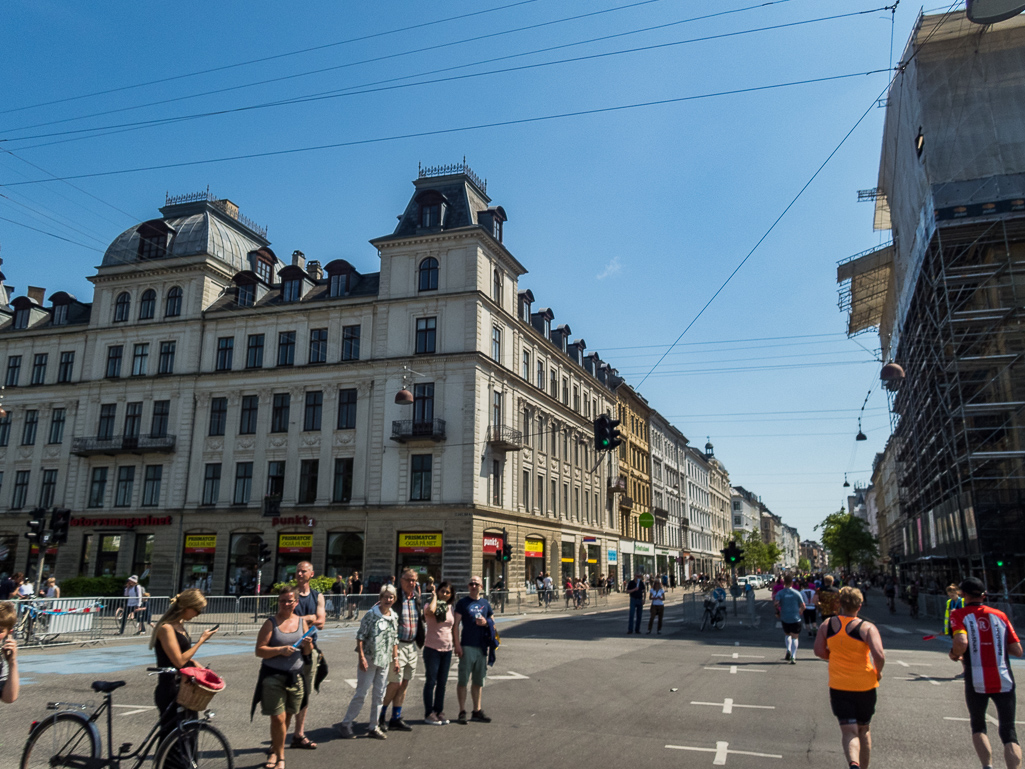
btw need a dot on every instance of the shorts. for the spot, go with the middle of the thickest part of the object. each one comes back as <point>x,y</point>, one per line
<point>853,707</point>
<point>809,616</point>
<point>473,663</point>
<point>408,657</point>
<point>1005,703</point>
<point>791,627</point>
<point>278,697</point>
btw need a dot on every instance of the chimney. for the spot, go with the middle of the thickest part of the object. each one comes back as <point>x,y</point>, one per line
<point>313,269</point>
<point>229,208</point>
<point>36,294</point>
<point>299,259</point>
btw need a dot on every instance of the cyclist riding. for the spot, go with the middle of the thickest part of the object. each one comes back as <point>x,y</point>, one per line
<point>719,594</point>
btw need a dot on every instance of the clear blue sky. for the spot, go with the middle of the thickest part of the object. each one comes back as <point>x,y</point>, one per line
<point>644,211</point>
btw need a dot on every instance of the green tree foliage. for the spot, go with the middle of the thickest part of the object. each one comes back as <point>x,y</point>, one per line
<point>758,555</point>
<point>847,539</point>
<point>803,565</point>
<point>321,584</point>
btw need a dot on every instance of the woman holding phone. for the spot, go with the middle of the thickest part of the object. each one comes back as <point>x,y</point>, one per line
<point>281,644</point>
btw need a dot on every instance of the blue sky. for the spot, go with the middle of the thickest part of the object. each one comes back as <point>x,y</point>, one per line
<point>642,211</point>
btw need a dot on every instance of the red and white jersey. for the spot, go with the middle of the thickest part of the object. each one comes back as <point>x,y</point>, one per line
<point>989,632</point>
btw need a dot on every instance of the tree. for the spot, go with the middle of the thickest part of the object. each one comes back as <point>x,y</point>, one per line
<point>847,539</point>
<point>758,555</point>
<point>803,564</point>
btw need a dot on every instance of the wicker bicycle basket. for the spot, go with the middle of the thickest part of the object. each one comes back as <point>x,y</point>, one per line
<point>193,695</point>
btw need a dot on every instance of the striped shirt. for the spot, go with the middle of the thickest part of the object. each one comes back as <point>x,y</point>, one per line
<point>407,617</point>
<point>989,631</point>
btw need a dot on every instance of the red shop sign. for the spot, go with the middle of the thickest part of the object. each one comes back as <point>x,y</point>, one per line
<point>492,544</point>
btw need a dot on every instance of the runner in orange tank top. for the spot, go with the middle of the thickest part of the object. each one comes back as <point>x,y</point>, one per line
<point>855,654</point>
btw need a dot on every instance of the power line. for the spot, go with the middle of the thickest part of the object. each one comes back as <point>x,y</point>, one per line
<point>50,234</point>
<point>460,129</point>
<point>729,341</point>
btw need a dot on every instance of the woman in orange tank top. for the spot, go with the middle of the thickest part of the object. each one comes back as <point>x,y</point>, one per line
<point>855,654</point>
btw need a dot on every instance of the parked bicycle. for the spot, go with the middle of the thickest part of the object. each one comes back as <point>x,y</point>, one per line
<point>32,625</point>
<point>715,614</point>
<point>69,738</point>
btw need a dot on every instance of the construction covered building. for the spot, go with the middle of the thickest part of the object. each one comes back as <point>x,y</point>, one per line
<point>946,297</point>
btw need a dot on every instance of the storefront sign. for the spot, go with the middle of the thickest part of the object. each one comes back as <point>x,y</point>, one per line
<point>592,560</point>
<point>201,543</point>
<point>613,557</point>
<point>52,550</point>
<point>295,543</point>
<point>567,560</point>
<point>293,520</point>
<point>123,523</point>
<point>591,540</point>
<point>534,548</point>
<point>420,543</point>
<point>492,544</point>
<point>642,548</point>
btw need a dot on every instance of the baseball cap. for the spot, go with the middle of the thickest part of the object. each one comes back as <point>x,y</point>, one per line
<point>973,586</point>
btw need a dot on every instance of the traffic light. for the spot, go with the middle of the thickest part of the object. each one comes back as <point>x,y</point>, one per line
<point>60,520</point>
<point>732,554</point>
<point>606,436</point>
<point>265,554</point>
<point>506,555</point>
<point>1001,562</point>
<point>36,526</point>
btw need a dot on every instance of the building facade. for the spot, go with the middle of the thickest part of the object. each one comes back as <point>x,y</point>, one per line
<point>637,545</point>
<point>746,510</point>
<point>720,494</point>
<point>668,495</point>
<point>703,542</point>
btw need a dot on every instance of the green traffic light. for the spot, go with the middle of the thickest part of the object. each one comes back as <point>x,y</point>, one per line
<point>1000,564</point>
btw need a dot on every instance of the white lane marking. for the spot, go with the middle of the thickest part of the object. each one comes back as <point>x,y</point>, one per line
<point>736,656</point>
<point>732,670</point>
<point>904,664</point>
<point>454,674</point>
<point>927,631</point>
<point>919,677</point>
<point>898,630</point>
<point>779,625</point>
<point>728,704</point>
<point>721,751</point>
<point>135,709</point>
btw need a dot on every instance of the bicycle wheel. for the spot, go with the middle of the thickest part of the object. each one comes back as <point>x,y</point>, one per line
<point>704,619</point>
<point>195,746</point>
<point>719,622</point>
<point>60,735</point>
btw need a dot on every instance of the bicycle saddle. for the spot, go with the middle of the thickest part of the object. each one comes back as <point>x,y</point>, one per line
<point>107,686</point>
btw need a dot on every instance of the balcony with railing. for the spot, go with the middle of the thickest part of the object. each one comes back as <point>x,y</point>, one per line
<point>408,430</point>
<point>502,438</point>
<point>123,444</point>
<point>617,485</point>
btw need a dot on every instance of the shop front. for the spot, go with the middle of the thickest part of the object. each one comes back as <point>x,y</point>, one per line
<point>243,564</point>
<point>293,549</point>
<point>197,569</point>
<point>568,560</point>
<point>592,551</point>
<point>420,551</point>
<point>644,557</point>
<point>533,558</point>
<point>344,553</point>
<point>612,558</point>
<point>31,570</point>
<point>626,557</point>
<point>493,566</point>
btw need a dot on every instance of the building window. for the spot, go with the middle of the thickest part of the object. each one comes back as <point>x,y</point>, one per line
<point>245,295</point>
<point>496,344</point>
<point>541,494</point>
<point>151,485</point>
<point>114,355</point>
<point>430,215</point>
<point>66,367</point>
<point>279,413</point>
<point>309,470</point>
<point>218,416</point>
<point>264,270</point>
<point>565,391</point>
<point>347,409</point>
<point>526,366</point>
<point>336,285</point>
<point>429,274</point>
<point>420,484</point>
<point>275,479</point>
<point>426,328</point>
<point>525,491</point>
<point>496,482</point>
<point>541,375</point>
<point>142,558</point>
<point>123,488</point>
<point>350,342</point>
<point>250,410</point>
<point>254,351</point>
<point>21,479</point>
<point>48,491</point>
<point>13,371</point>
<point>57,426</point>
<point>243,483</point>
<point>133,419</point>
<point>5,429</point>
<point>496,288</point>
<point>496,408</point>
<point>576,399</point>
<point>60,315</point>
<point>165,364</point>
<point>553,385</point>
<point>423,405</point>
<point>314,410</point>
<point>161,416</point>
<point>21,319</point>
<point>122,307</point>
<point>173,306</point>
<point>211,483</point>
<point>225,353</point>
<point>541,434</point>
<point>291,290</point>
<point>39,368</point>
<point>97,487</point>
<point>286,348</point>
<point>318,345</point>
<point>148,304</point>
<point>553,499</point>
<point>140,357</point>
<point>105,427</point>
<point>342,487</point>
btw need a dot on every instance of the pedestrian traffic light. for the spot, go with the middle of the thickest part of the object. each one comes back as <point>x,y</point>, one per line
<point>60,520</point>
<point>732,554</point>
<point>265,554</point>
<point>36,525</point>
<point>506,554</point>
<point>606,436</point>
<point>1001,562</point>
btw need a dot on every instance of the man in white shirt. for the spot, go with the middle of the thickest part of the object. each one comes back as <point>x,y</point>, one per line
<point>133,592</point>
<point>549,588</point>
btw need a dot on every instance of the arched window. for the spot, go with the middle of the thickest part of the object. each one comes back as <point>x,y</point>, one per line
<point>148,304</point>
<point>429,274</point>
<point>122,306</point>
<point>173,308</point>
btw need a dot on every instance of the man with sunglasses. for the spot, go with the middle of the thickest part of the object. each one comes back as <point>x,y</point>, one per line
<point>471,647</point>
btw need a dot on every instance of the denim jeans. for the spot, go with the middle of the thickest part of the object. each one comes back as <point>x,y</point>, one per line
<point>636,610</point>
<point>436,666</point>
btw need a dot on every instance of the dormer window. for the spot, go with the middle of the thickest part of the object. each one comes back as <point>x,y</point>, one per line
<point>430,215</point>
<point>336,285</point>
<point>263,269</point>
<point>148,304</point>
<point>21,318</point>
<point>245,295</point>
<point>548,327</point>
<point>429,274</point>
<point>291,290</point>
<point>432,205</point>
<point>122,307</point>
<point>60,315</point>
<point>153,239</point>
<point>341,278</point>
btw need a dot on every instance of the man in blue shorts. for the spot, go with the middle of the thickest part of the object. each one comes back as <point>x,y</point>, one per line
<point>789,606</point>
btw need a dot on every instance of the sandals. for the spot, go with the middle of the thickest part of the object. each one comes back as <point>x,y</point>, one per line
<point>272,761</point>
<point>303,743</point>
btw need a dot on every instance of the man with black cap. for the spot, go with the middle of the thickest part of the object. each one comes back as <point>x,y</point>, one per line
<point>983,639</point>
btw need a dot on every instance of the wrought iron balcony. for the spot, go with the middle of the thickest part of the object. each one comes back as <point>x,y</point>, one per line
<point>627,502</point>
<point>660,514</point>
<point>617,485</point>
<point>404,430</point>
<point>502,438</point>
<point>123,444</point>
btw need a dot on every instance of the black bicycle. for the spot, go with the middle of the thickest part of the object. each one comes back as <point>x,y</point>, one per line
<point>715,614</point>
<point>69,738</point>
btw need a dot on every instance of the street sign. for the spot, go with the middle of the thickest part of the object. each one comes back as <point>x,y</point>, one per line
<point>647,520</point>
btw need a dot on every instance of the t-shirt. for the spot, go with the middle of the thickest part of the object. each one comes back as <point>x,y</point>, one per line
<point>636,584</point>
<point>658,596</point>
<point>829,601</point>
<point>470,633</point>
<point>989,631</point>
<point>357,587</point>
<point>789,605</point>
<point>808,594</point>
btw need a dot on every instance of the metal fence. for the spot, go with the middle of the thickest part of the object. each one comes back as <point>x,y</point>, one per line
<point>935,605</point>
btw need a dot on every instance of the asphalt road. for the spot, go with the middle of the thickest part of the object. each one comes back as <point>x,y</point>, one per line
<point>572,690</point>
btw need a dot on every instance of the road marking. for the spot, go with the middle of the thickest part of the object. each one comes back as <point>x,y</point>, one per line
<point>779,625</point>
<point>135,709</point>
<point>736,655</point>
<point>732,670</point>
<point>989,718</point>
<point>721,750</point>
<point>919,677</point>
<point>454,674</point>
<point>728,705</point>
<point>904,664</point>
<point>899,630</point>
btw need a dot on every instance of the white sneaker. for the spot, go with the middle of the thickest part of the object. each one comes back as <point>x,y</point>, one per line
<point>433,720</point>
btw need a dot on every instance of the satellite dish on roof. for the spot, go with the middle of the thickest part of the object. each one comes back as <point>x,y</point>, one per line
<point>992,11</point>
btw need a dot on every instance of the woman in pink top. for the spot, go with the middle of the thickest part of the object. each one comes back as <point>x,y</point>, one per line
<point>438,653</point>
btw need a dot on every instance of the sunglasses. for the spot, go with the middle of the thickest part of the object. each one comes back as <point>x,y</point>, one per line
<point>475,584</point>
